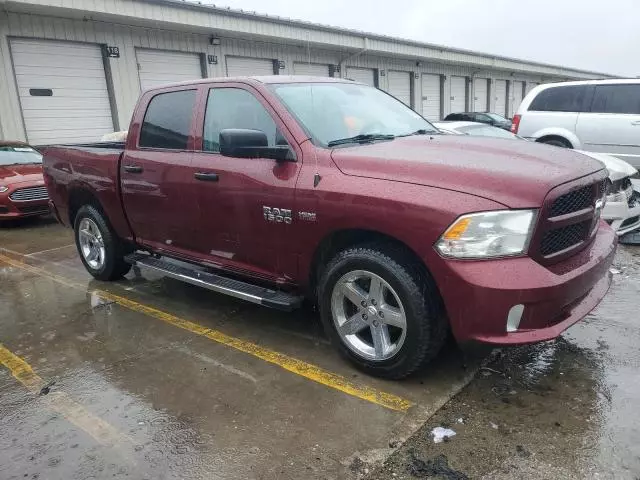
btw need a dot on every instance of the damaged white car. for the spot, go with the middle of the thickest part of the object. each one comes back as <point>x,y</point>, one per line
<point>622,210</point>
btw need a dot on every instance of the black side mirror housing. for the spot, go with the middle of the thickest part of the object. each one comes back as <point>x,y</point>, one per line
<point>246,143</point>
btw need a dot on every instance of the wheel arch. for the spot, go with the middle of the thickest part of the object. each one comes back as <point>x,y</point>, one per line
<point>338,240</point>
<point>547,138</point>
<point>558,133</point>
<point>79,196</point>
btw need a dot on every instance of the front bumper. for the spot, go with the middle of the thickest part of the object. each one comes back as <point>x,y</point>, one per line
<point>479,295</point>
<point>623,216</point>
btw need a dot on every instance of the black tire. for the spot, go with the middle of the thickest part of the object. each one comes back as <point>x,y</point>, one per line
<point>114,267</point>
<point>557,142</point>
<point>426,323</point>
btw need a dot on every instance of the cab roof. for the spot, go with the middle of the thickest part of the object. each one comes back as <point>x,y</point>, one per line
<point>264,79</point>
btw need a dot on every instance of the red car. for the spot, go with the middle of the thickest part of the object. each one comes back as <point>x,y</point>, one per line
<point>274,188</point>
<point>22,189</point>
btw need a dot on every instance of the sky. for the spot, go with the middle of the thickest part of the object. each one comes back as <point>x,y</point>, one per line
<point>601,36</point>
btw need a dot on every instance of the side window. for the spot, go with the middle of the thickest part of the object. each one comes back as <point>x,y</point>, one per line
<point>616,99</point>
<point>167,121</point>
<point>236,108</point>
<point>483,118</point>
<point>560,99</point>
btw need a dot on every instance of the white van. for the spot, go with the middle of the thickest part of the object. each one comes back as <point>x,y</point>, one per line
<point>595,115</point>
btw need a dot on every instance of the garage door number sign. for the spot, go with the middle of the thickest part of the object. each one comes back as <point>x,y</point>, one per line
<point>113,52</point>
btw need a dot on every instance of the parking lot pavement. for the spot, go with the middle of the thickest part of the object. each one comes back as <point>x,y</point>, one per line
<point>566,409</point>
<point>152,378</point>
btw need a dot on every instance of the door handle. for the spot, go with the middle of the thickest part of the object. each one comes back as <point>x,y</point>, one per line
<point>133,168</point>
<point>636,123</point>
<point>206,177</point>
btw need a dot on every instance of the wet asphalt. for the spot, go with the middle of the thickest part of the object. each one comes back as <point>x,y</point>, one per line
<point>152,378</point>
<point>566,409</point>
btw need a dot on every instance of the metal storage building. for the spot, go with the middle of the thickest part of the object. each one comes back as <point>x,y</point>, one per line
<point>72,70</point>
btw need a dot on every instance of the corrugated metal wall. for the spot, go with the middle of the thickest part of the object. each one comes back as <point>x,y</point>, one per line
<point>124,70</point>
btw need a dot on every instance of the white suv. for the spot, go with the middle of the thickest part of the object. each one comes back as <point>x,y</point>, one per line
<point>595,115</point>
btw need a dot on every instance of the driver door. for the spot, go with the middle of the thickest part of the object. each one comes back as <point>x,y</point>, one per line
<point>232,193</point>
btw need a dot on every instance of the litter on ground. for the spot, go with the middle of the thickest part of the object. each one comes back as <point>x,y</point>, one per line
<point>440,433</point>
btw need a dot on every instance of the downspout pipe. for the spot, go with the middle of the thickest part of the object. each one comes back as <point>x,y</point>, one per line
<point>353,55</point>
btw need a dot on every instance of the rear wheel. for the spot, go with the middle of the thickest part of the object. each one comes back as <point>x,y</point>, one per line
<point>101,251</point>
<point>383,315</point>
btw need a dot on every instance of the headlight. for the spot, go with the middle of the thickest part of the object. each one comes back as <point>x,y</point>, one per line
<point>488,234</point>
<point>3,188</point>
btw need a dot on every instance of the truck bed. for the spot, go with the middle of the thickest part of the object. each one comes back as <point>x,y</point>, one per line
<point>73,171</point>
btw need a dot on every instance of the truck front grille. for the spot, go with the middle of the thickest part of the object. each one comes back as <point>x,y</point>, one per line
<point>555,241</point>
<point>572,202</point>
<point>568,219</point>
<point>28,194</point>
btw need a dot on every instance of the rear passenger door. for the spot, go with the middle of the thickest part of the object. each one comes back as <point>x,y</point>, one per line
<point>612,124</point>
<point>155,174</point>
<point>234,231</point>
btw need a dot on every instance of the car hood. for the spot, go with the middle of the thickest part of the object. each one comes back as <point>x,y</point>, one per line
<point>11,174</point>
<point>512,172</point>
<point>618,169</point>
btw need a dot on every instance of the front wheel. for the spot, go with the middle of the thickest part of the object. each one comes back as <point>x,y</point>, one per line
<point>384,316</point>
<point>101,251</point>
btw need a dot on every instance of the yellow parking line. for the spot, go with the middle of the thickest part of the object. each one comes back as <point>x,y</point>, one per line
<point>61,403</point>
<point>299,367</point>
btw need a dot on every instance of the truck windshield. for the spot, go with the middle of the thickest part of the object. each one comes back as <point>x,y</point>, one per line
<point>331,112</point>
<point>17,155</point>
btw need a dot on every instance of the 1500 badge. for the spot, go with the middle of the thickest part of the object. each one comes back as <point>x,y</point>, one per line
<point>277,215</point>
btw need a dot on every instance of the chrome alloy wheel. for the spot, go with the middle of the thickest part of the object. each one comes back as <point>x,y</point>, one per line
<point>368,315</point>
<point>91,243</point>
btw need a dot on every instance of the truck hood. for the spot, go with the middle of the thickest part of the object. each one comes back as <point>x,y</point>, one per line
<point>618,169</point>
<point>512,172</point>
<point>11,174</point>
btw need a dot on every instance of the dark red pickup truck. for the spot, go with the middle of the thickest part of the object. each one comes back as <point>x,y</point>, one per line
<point>275,188</point>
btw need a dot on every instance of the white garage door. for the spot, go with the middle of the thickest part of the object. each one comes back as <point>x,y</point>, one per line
<point>531,86</point>
<point>63,91</point>
<point>480,95</point>
<point>363,75</point>
<point>312,69</point>
<point>159,67</point>
<point>516,96</point>
<point>400,86</point>
<point>246,66</point>
<point>431,96</point>
<point>500,96</point>
<point>458,100</point>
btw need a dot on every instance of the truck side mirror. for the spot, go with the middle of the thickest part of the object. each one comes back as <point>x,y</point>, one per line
<point>246,143</point>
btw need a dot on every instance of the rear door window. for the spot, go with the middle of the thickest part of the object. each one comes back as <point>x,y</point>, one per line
<point>560,99</point>
<point>167,122</point>
<point>616,99</point>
